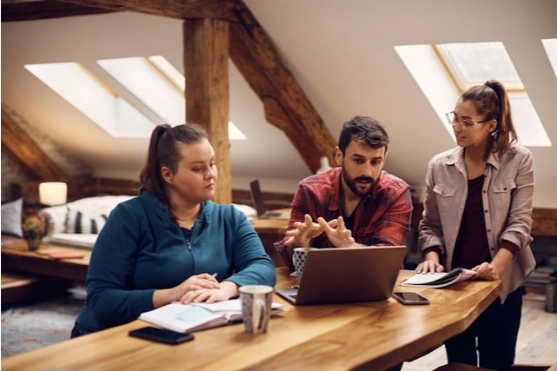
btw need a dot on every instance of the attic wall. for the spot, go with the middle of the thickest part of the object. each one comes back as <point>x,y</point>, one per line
<point>12,172</point>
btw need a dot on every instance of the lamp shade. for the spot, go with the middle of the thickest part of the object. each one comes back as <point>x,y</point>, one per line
<point>53,193</point>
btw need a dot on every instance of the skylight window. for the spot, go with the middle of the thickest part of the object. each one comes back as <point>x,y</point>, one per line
<point>475,63</point>
<point>81,89</point>
<point>158,85</point>
<point>550,46</point>
<point>444,71</point>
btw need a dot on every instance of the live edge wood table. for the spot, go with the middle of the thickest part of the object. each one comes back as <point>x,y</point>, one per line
<point>370,336</point>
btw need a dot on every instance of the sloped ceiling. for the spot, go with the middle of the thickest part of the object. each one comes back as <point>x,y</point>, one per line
<point>342,54</point>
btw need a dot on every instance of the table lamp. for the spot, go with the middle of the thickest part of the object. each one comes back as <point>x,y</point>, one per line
<point>53,193</point>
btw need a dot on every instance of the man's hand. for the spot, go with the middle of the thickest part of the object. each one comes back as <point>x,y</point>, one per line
<point>304,232</point>
<point>339,236</point>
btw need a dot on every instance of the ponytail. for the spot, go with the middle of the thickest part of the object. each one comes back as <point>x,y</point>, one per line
<point>504,135</point>
<point>150,177</point>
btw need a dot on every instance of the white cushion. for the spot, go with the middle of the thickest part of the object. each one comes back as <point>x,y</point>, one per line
<point>11,217</point>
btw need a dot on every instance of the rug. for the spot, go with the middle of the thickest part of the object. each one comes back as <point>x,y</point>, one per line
<point>33,325</point>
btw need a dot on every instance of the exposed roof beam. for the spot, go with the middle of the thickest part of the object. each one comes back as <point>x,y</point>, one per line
<point>207,92</point>
<point>182,9</point>
<point>33,10</point>
<point>286,105</point>
<point>25,151</point>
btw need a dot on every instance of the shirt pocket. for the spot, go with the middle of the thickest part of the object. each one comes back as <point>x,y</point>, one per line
<point>502,194</point>
<point>445,198</point>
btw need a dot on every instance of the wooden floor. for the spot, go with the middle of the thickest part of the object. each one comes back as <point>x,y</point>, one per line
<point>537,341</point>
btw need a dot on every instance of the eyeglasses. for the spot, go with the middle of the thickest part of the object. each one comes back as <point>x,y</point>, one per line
<point>467,124</point>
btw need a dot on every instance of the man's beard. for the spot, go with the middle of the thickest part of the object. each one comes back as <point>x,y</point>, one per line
<point>351,183</point>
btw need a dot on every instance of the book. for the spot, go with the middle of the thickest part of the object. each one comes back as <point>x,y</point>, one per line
<point>198,316</point>
<point>438,280</point>
<point>64,255</point>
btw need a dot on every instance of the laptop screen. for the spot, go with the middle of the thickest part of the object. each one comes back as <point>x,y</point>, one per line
<point>257,197</point>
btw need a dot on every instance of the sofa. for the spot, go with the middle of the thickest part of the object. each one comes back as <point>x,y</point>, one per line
<point>79,222</point>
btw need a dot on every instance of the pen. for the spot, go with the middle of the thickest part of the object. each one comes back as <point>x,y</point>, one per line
<point>214,275</point>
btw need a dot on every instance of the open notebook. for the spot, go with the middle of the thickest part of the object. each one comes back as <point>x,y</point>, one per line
<point>199,316</point>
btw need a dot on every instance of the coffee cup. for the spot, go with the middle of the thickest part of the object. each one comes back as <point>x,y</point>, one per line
<point>257,301</point>
<point>299,259</point>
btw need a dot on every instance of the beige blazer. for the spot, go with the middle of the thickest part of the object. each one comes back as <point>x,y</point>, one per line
<point>507,200</point>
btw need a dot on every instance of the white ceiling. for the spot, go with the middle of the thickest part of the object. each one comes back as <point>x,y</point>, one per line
<point>342,54</point>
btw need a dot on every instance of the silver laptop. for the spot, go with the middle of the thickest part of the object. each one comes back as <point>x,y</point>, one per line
<point>257,199</point>
<point>347,275</point>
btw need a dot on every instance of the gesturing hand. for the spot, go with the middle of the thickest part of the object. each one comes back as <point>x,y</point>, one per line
<point>339,236</point>
<point>305,232</point>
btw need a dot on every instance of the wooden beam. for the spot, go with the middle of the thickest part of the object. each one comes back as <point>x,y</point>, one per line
<point>26,152</point>
<point>300,139</point>
<point>32,10</point>
<point>181,9</point>
<point>207,94</point>
<point>261,65</point>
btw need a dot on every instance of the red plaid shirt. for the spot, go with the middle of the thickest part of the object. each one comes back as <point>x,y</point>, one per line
<point>382,219</point>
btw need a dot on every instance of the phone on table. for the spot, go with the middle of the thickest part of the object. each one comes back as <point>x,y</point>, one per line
<point>410,298</point>
<point>161,335</point>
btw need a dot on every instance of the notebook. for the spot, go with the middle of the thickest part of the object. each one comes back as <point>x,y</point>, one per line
<point>257,199</point>
<point>347,275</point>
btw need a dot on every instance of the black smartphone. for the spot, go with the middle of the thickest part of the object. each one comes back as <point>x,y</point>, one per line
<point>410,298</point>
<point>161,335</point>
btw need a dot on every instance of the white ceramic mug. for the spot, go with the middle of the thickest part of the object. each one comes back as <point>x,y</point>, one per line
<point>257,301</point>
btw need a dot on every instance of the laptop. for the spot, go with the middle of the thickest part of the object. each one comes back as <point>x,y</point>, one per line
<point>257,199</point>
<point>347,275</point>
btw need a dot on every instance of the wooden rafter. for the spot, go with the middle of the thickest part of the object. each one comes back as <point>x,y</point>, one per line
<point>33,10</point>
<point>181,9</point>
<point>26,152</point>
<point>207,93</point>
<point>286,105</point>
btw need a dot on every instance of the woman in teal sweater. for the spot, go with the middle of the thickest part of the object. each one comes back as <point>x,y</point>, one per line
<point>171,243</point>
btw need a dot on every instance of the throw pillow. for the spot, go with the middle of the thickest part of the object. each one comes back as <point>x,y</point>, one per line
<point>11,217</point>
<point>82,222</point>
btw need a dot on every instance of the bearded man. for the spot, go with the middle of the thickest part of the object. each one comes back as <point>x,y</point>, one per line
<point>355,204</point>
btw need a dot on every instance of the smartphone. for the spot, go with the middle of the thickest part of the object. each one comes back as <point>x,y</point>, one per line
<point>410,298</point>
<point>161,335</point>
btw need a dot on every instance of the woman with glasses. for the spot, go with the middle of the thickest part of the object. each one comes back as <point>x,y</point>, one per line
<point>477,216</point>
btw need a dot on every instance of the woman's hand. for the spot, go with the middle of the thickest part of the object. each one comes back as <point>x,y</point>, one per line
<point>225,291</point>
<point>197,282</point>
<point>487,271</point>
<point>429,266</point>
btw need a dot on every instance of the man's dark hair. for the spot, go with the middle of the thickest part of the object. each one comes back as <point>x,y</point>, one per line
<point>363,129</point>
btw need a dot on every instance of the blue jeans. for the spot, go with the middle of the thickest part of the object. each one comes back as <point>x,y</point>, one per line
<point>496,331</point>
<point>80,330</point>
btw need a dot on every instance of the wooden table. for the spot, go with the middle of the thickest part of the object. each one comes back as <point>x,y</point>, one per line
<point>16,257</point>
<point>371,336</point>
